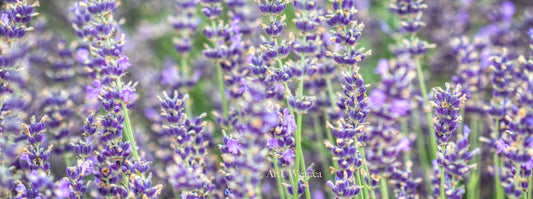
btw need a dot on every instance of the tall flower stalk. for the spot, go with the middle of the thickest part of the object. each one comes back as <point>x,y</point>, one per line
<point>389,102</point>
<point>15,17</point>
<point>185,22</point>
<point>468,75</point>
<point>108,56</point>
<point>109,64</point>
<point>500,106</point>
<point>245,148</point>
<point>14,24</point>
<point>346,32</point>
<point>453,159</point>
<point>349,132</point>
<point>411,49</point>
<point>218,33</point>
<point>188,171</point>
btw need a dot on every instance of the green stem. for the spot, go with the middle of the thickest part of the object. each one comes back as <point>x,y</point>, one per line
<point>420,144</point>
<point>364,194</point>
<point>326,114</point>
<point>176,194</point>
<point>279,179</point>
<point>442,195</point>
<point>530,188</point>
<point>462,113</point>
<point>258,192</point>
<point>405,133</point>
<point>474,180</point>
<point>184,71</point>
<point>365,167</point>
<point>302,166</point>
<point>221,90</point>
<point>128,130</point>
<point>326,157</point>
<point>298,154</point>
<point>330,92</point>
<point>423,90</point>
<point>384,190</point>
<point>330,137</point>
<point>497,187</point>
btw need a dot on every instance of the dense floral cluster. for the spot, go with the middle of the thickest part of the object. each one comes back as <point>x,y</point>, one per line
<point>266,99</point>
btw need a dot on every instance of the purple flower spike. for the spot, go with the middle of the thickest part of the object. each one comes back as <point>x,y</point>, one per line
<point>289,156</point>
<point>447,119</point>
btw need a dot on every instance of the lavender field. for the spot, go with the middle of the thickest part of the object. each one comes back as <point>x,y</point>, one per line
<point>268,99</point>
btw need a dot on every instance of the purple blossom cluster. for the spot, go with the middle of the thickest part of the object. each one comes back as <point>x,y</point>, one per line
<point>202,99</point>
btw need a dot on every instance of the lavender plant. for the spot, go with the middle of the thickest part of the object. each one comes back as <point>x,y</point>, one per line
<point>291,104</point>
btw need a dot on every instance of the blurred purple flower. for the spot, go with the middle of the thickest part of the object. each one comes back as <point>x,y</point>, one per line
<point>170,76</point>
<point>273,143</point>
<point>501,146</point>
<point>399,107</point>
<point>93,91</point>
<point>377,98</point>
<point>63,189</point>
<point>289,156</point>
<point>233,146</point>
<point>404,144</point>
<point>289,119</point>
<point>508,9</point>
<point>124,63</point>
<point>127,94</point>
<point>382,67</point>
<point>82,55</point>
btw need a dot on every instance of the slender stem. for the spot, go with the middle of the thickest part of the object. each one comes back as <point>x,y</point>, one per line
<point>442,195</point>
<point>330,92</point>
<point>258,192</point>
<point>184,71</point>
<point>176,194</point>
<point>325,153</point>
<point>330,137</point>
<point>384,190</point>
<point>365,167</point>
<point>279,179</point>
<point>302,166</point>
<point>405,133</point>
<point>420,144</point>
<point>497,187</point>
<point>364,194</point>
<point>530,187</point>
<point>474,180</point>
<point>326,114</point>
<point>298,154</point>
<point>426,109</point>
<point>462,112</point>
<point>221,90</point>
<point>128,130</point>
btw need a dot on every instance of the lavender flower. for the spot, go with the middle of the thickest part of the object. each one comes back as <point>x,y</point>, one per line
<point>35,154</point>
<point>282,142</point>
<point>244,152</point>
<point>455,162</point>
<point>15,19</point>
<point>188,174</point>
<point>452,158</point>
<point>41,185</point>
<point>447,118</point>
<point>410,13</point>
<point>113,158</point>
<point>58,108</point>
<point>84,166</point>
<point>185,22</point>
<point>350,133</point>
<point>347,33</point>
